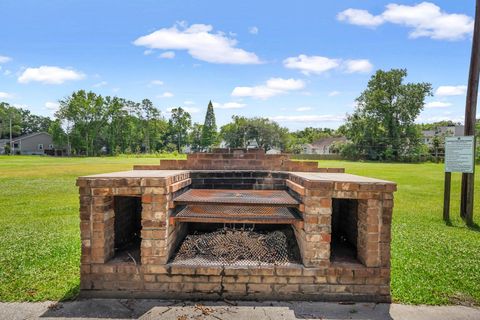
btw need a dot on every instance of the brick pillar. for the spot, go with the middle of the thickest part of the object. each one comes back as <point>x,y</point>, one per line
<point>154,225</point>
<point>316,235</point>
<point>102,220</point>
<point>374,230</point>
<point>385,229</point>
<point>369,214</point>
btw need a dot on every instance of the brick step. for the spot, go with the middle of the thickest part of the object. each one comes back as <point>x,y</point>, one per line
<point>237,214</point>
<point>257,198</point>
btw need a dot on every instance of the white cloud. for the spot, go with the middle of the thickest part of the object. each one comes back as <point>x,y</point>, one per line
<point>285,84</point>
<point>333,93</point>
<point>21,106</point>
<point>7,72</point>
<point>301,109</point>
<point>49,75</point>
<point>200,43</point>
<point>424,119</point>
<point>100,84</point>
<point>360,18</point>
<point>443,91</point>
<point>167,55</point>
<point>187,109</point>
<point>156,83</point>
<point>228,105</point>
<point>5,59</point>
<point>273,87</point>
<point>253,30</point>
<point>318,64</point>
<point>191,109</point>
<point>311,64</point>
<point>5,95</point>
<point>188,102</point>
<point>437,104</point>
<point>309,118</point>
<point>148,52</point>
<point>166,94</point>
<point>425,19</point>
<point>53,106</point>
<point>358,66</point>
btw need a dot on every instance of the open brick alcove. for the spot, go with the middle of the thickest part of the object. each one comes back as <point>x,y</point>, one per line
<point>325,210</point>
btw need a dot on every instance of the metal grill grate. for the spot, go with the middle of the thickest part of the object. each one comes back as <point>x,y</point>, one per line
<point>236,214</point>
<point>239,247</point>
<point>245,197</point>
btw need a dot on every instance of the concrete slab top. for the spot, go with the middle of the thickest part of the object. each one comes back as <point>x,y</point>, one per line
<point>137,174</point>
<point>339,177</point>
<point>312,176</point>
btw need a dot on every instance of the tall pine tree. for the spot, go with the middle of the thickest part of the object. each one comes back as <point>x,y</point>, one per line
<point>209,130</point>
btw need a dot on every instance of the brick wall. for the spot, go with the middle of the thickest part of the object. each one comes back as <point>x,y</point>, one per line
<point>374,214</point>
<point>256,180</point>
<point>318,278</point>
<point>347,283</point>
<point>238,159</point>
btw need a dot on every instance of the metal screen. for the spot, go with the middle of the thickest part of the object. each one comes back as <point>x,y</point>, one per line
<point>228,246</point>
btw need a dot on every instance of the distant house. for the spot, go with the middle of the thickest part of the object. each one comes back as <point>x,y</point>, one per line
<point>273,151</point>
<point>252,144</point>
<point>323,146</point>
<point>35,143</point>
<point>428,136</point>
<point>3,143</point>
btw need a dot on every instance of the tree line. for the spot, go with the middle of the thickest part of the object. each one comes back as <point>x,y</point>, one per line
<point>382,126</point>
<point>90,124</point>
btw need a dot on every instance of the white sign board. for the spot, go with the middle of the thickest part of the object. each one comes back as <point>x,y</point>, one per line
<point>459,154</point>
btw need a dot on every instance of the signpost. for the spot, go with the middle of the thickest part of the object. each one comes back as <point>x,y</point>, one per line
<point>468,179</point>
<point>459,157</point>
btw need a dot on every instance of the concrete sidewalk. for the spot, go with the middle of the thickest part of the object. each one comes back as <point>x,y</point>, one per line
<point>161,309</point>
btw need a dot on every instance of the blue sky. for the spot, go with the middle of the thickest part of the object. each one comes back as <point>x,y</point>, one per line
<point>301,63</point>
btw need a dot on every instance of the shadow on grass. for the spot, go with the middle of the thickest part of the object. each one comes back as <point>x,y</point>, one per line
<point>474,227</point>
<point>71,294</point>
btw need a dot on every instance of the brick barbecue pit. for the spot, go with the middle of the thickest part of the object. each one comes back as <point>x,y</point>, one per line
<point>288,230</point>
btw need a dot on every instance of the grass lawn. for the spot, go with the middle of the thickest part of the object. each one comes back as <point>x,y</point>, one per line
<point>40,244</point>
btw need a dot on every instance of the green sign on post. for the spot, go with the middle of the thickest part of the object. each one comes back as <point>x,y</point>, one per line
<point>459,157</point>
<point>459,154</point>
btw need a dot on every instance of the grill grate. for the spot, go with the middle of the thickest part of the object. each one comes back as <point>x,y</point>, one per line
<point>245,197</point>
<point>236,214</point>
<point>240,247</point>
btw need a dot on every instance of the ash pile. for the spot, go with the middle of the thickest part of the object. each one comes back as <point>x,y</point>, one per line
<point>229,246</point>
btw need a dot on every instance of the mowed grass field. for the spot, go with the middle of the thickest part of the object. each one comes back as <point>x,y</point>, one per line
<point>40,243</point>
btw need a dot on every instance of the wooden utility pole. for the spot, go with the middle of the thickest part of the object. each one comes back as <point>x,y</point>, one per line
<point>12,148</point>
<point>468,179</point>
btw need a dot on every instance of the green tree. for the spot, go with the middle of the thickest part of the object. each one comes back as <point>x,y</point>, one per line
<point>7,113</point>
<point>235,133</point>
<point>209,129</point>
<point>310,134</point>
<point>59,136</point>
<point>179,124</point>
<point>195,137</point>
<point>268,134</point>
<point>88,113</point>
<point>32,123</point>
<point>382,126</point>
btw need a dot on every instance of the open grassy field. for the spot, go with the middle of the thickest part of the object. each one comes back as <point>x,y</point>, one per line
<point>40,244</point>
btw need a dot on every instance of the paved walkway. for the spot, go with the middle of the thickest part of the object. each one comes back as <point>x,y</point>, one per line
<point>160,309</point>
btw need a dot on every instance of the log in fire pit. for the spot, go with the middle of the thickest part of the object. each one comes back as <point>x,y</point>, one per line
<point>236,224</point>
